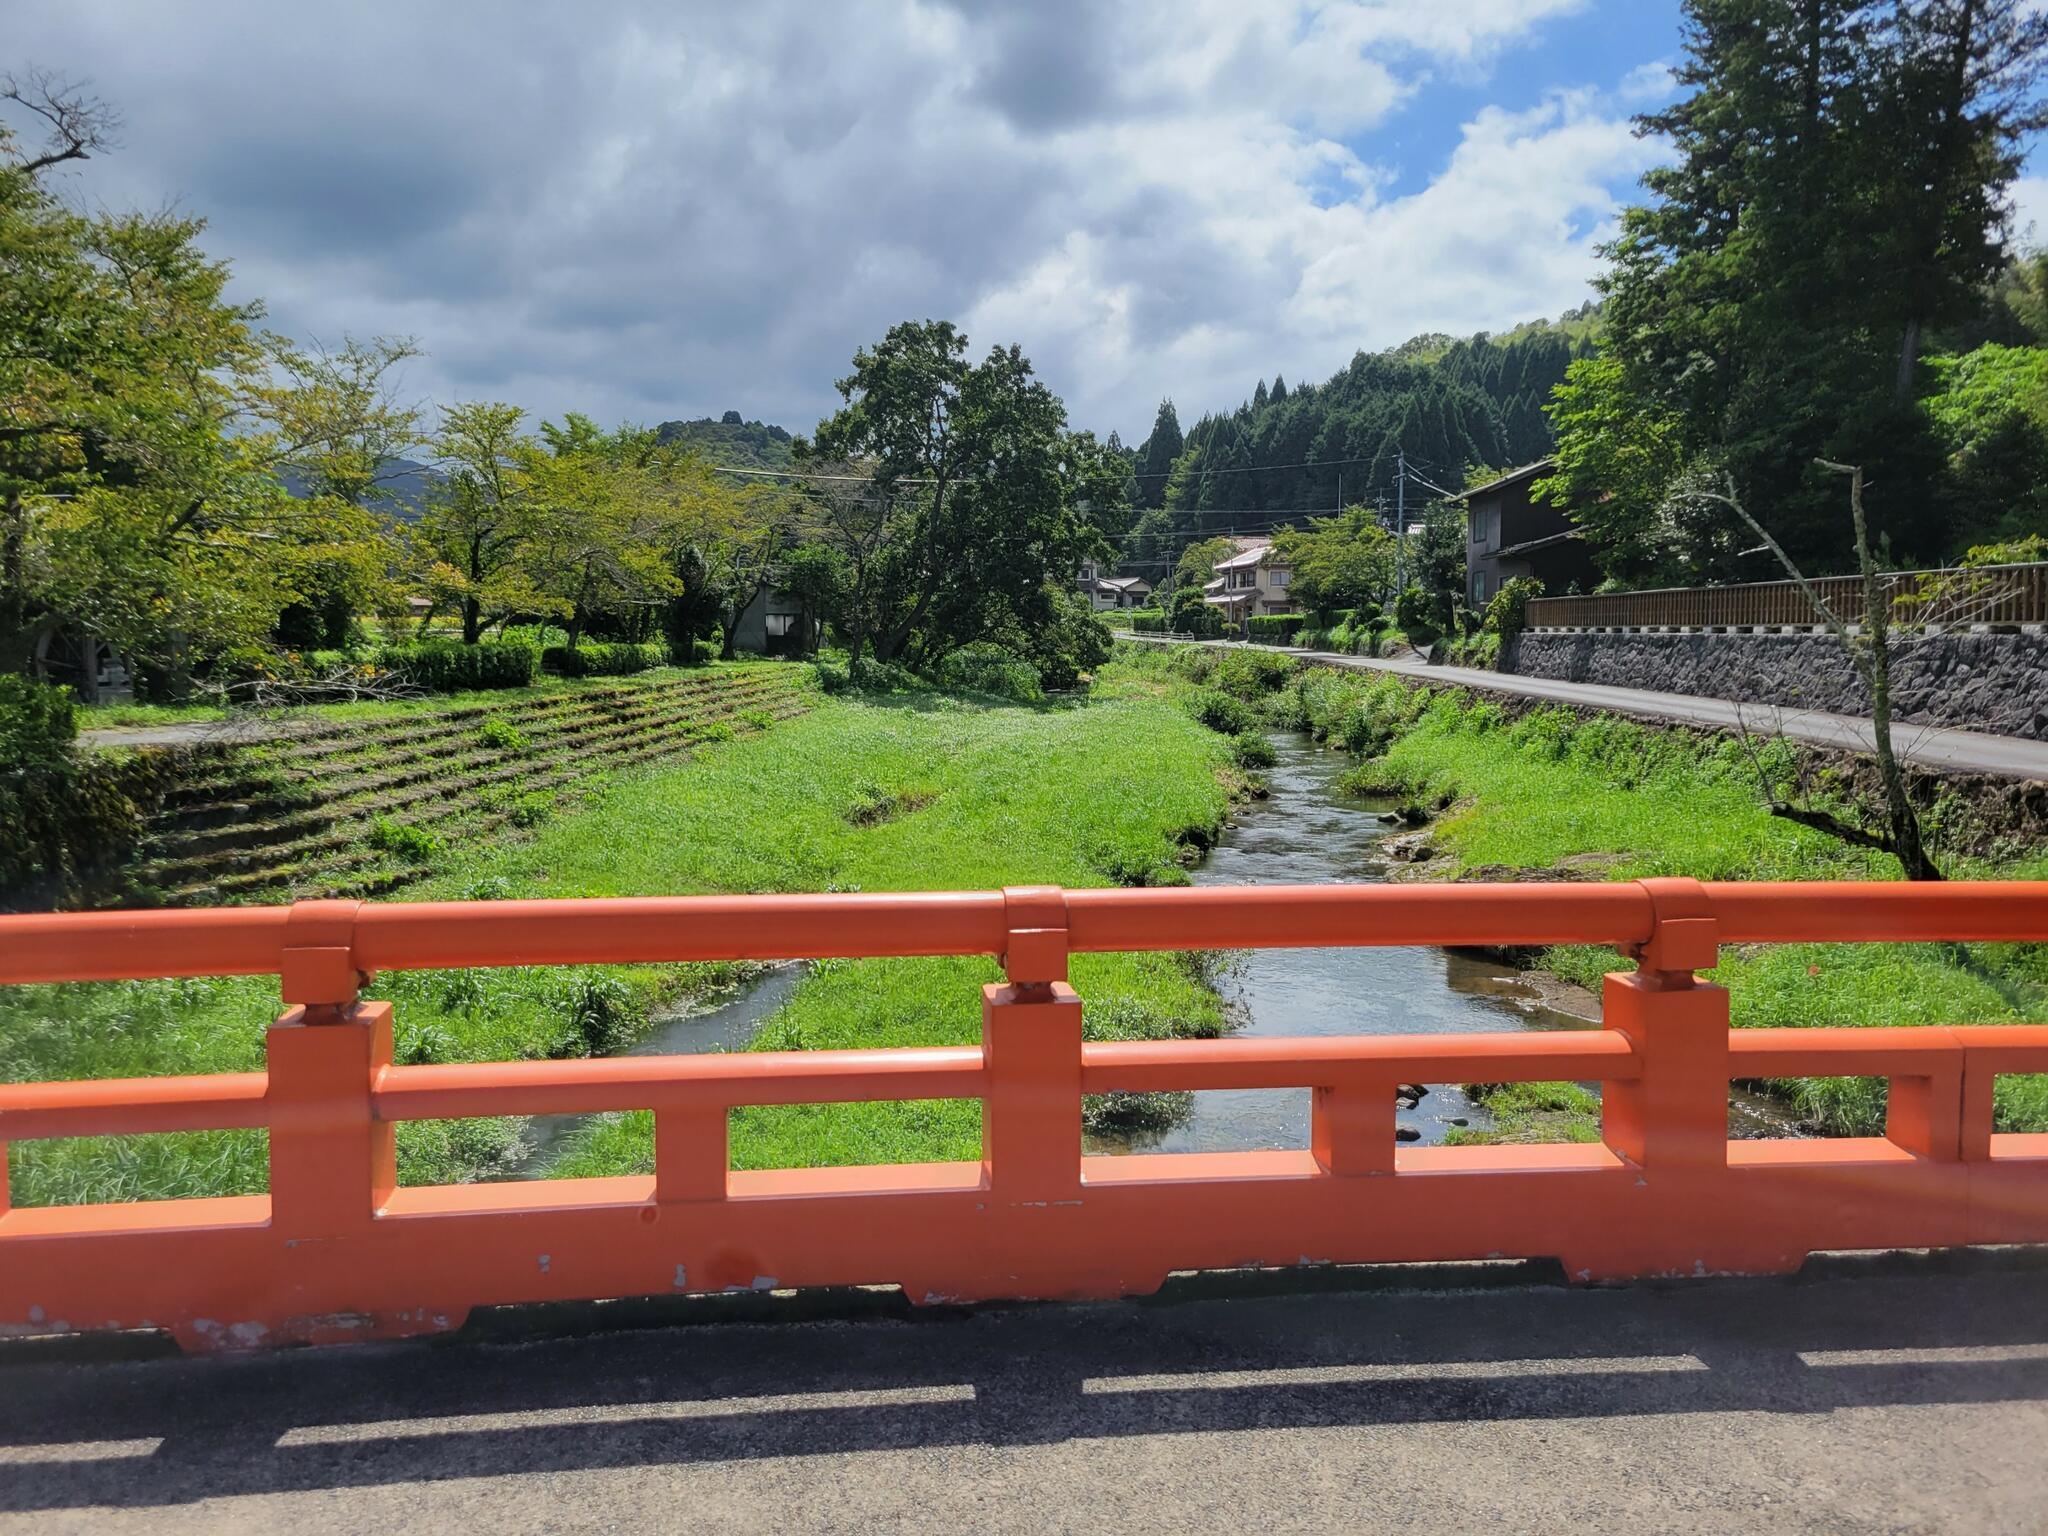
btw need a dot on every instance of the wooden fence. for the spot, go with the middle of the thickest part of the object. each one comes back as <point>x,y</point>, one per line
<point>1998,594</point>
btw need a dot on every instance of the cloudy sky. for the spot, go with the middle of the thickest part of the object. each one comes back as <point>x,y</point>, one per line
<point>650,210</point>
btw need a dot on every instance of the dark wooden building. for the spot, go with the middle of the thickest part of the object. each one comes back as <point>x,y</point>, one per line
<point>1507,534</point>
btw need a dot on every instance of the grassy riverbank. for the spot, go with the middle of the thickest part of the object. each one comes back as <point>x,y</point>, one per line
<point>1608,798</point>
<point>915,791</point>
<point>916,794</point>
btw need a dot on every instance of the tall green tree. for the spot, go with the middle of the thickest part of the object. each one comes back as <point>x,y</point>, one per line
<point>479,516</point>
<point>1345,561</point>
<point>603,516</point>
<point>145,421</point>
<point>1965,78</point>
<point>1838,187</point>
<point>1156,456</point>
<point>995,500</point>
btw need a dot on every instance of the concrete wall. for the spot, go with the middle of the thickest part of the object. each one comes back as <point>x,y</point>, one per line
<point>1979,682</point>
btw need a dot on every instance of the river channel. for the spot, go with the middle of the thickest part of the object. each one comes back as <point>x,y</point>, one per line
<point>1302,833</point>
<point>1306,833</point>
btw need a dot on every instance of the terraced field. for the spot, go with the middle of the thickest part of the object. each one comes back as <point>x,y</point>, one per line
<point>359,806</point>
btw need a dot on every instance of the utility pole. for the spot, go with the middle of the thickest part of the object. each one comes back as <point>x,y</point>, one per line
<point>1400,523</point>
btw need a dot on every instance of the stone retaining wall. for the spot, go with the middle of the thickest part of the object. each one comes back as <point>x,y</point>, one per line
<point>1976,681</point>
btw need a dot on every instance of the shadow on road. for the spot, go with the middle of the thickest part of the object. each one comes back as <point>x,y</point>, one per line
<point>170,1431</point>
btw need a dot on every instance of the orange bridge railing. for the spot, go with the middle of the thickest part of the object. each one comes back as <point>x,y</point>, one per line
<point>337,1249</point>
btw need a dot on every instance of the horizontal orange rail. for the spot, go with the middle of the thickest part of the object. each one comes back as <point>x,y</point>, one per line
<point>337,1250</point>
<point>403,936</point>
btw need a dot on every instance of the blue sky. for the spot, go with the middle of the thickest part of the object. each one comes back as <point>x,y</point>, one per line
<point>651,209</point>
<point>1597,47</point>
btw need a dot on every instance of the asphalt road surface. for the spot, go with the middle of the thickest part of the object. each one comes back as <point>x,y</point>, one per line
<point>1907,1397</point>
<point>1926,746</point>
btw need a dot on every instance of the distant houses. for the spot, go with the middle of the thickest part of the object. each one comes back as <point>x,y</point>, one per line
<point>1106,591</point>
<point>1509,534</point>
<point>1253,580</point>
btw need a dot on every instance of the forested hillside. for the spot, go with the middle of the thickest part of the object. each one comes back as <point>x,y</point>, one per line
<point>730,440</point>
<point>1450,403</point>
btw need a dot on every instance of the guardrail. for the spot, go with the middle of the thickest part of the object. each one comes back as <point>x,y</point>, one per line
<point>337,1249</point>
<point>1998,594</point>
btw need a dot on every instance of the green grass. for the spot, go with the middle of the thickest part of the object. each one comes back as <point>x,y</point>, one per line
<point>920,792</point>
<point>139,716</point>
<point>96,717</point>
<point>1549,789</point>
<point>982,797</point>
<point>1519,805</point>
<point>1530,1112</point>
<point>498,698</point>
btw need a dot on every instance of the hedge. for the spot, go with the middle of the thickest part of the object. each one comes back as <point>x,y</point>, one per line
<point>1148,621</point>
<point>986,668</point>
<point>65,812</point>
<point>1274,628</point>
<point>441,667</point>
<point>607,658</point>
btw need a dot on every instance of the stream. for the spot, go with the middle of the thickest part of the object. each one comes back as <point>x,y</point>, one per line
<point>1306,833</point>
<point>1303,833</point>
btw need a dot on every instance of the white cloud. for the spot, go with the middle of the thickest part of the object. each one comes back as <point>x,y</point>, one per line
<point>2030,211</point>
<point>649,211</point>
<point>1648,82</point>
<point>1505,232</point>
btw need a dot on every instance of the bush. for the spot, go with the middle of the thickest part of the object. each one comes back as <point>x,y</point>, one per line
<point>1273,628</point>
<point>38,723</point>
<point>1253,750</point>
<point>1250,674</point>
<point>441,667</point>
<point>602,1016</point>
<point>986,668</point>
<point>1192,616</point>
<point>1148,621</point>
<point>1507,611</point>
<point>532,808</point>
<point>1416,615</point>
<point>1220,712</point>
<point>415,845</point>
<point>605,658</point>
<point>502,734</point>
<point>535,636</point>
<point>63,812</point>
<point>868,676</point>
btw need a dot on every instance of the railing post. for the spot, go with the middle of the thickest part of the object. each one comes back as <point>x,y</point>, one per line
<point>332,1163</point>
<point>692,1157</point>
<point>1924,1114</point>
<point>1672,1118</point>
<point>1031,1042</point>
<point>1351,1127</point>
<point>1979,1109</point>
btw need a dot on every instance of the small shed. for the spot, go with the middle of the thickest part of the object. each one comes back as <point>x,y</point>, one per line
<point>774,624</point>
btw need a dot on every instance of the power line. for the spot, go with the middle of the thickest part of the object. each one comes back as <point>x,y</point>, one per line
<point>801,474</point>
<point>1151,474</point>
